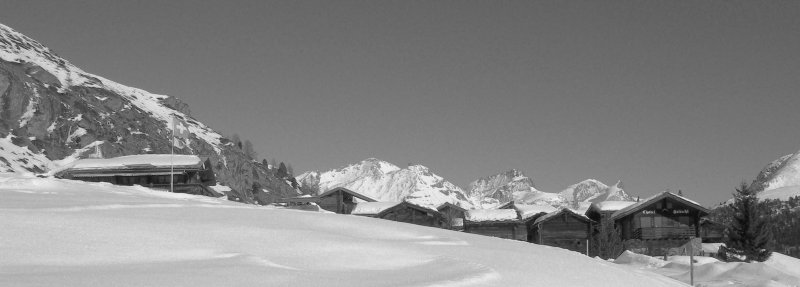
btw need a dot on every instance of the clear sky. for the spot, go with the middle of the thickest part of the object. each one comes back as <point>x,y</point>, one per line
<point>691,95</point>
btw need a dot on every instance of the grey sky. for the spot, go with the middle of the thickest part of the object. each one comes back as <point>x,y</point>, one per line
<point>691,95</point>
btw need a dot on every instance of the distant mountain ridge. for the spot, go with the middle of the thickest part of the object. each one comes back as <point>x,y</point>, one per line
<point>385,181</point>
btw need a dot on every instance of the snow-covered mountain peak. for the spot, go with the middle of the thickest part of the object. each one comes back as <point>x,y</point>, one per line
<point>500,188</point>
<point>592,190</point>
<point>780,173</point>
<point>385,181</point>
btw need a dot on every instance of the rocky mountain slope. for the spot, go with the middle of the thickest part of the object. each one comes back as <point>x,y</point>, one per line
<point>500,188</point>
<point>780,179</point>
<point>52,112</point>
<point>384,181</point>
<point>592,190</point>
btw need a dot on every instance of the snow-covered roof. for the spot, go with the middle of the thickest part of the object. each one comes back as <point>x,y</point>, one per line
<point>491,215</point>
<point>353,193</point>
<point>446,204</point>
<point>606,206</point>
<point>529,210</point>
<point>129,161</point>
<point>372,208</point>
<point>560,211</point>
<point>658,196</point>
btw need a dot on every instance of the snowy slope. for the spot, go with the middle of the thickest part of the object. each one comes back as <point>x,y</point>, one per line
<point>779,270</point>
<point>67,233</point>
<point>780,179</point>
<point>384,181</point>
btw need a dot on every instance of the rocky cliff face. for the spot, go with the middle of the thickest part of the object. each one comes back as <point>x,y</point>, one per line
<point>384,181</point>
<point>52,112</point>
<point>501,188</point>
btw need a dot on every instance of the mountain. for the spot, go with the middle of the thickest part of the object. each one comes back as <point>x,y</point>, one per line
<point>52,113</point>
<point>384,181</point>
<point>500,188</point>
<point>780,179</point>
<point>592,190</point>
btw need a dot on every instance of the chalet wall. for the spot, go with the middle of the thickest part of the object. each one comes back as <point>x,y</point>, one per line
<point>565,231</point>
<point>516,231</point>
<point>411,215</point>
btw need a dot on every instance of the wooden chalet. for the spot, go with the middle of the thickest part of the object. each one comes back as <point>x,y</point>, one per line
<point>528,213</point>
<point>413,213</point>
<point>503,223</point>
<point>711,231</point>
<point>339,200</point>
<point>665,220</point>
<point>563,228</point>
<point>453,214</point>
<point>188,173</point>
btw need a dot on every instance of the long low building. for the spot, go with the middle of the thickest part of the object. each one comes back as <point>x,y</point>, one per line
<point>184,173</point>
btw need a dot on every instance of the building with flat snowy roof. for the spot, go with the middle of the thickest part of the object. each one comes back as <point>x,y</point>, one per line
<point>503,223</point>
<point>187,173</point>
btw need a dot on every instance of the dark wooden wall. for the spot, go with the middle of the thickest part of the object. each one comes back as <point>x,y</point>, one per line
<point>515,231</point>
<point>565,231</point>
<point>406,214</point>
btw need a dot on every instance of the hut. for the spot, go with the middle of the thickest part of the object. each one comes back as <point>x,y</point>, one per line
<point>372,209</point>
<point>663,221</point>
<point>453,214</point>
<point>503,223</point>
<point>563,228</point>
<point>528,213</point>
<point>711,231</point>
<point>183,173</point>
<point>413,213</point>
<point>339,200</point>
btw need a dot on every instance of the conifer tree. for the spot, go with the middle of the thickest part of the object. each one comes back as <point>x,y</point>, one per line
<point>748,235</point>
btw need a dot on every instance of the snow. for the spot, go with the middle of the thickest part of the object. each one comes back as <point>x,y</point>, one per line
<point>779,270</point>
<point>491,215</point>
<point>30,110</point>
<point>164,160</point>
<point>781,193</point>
<point>372,208</point>
<point>527,210</point>
<point>612,205</point>
<point>79,132</point>
<point>559,211</point>
<point>16,158</point>
<point>71,233</point>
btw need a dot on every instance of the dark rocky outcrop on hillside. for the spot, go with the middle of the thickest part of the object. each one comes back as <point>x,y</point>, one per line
<point>55,120</point>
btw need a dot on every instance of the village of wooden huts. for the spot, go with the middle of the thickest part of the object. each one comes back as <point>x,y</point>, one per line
<point>658,225</point>
<point>652,226</point>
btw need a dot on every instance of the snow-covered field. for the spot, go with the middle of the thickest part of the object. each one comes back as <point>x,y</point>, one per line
<point>67,233</point>
<point>779,270</point>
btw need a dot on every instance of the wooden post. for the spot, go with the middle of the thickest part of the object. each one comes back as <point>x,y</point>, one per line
<point>691,260</point>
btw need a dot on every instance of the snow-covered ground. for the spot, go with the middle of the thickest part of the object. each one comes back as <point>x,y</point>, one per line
<point>67,233</point>
<point>779,270</point>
